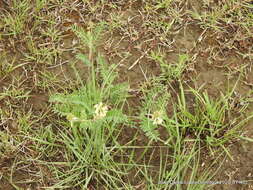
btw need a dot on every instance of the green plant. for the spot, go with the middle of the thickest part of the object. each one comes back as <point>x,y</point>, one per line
<point>39,4</point>
<point>91,37</point>
<point>208,120</point>
<point>170,71</point>
<point>94,114</point>
<point>153,110</point>
<point>41,53</point>
<point>179,166</point>
<point>6,67</point>
<point>7,145</point>
<point>14,21</point>
<point>229,12</point>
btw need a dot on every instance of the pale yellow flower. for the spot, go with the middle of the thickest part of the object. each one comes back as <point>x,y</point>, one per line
<point>100,110</point>
<point>72,118</point>
<point>157,117</point>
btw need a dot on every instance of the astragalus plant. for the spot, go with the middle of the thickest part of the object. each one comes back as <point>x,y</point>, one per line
<point>94,118</point>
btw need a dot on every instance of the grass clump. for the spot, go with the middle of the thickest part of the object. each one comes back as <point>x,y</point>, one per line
<point>15,20</point>
<point>208,120</point>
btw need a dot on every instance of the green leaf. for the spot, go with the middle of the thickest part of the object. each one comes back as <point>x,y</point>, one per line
<point>84,59</point>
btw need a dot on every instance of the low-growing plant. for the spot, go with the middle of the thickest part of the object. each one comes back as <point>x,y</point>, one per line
<point>208,120</point>
<point>94,114</point>
<point>14,21</point>
<point>170,71</point>
<point>179,166</point>
<point>153,110</point>
<point>90,37</point>
<point>181,169</point>
<point>7,144</point>
<point>211,120</point>
<point>6,66</point>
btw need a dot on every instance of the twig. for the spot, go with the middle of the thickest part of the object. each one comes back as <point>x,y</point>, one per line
<point>136,62</point>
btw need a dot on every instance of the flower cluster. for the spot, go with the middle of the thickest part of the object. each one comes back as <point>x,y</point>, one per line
<point>102,109</point>
<point>157,117</point>
<point>72,118</point>
<point>100,112</point>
